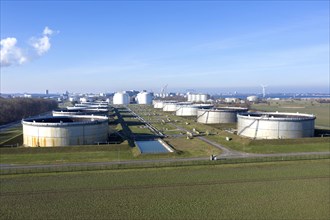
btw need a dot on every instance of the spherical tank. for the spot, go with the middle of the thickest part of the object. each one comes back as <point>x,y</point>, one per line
<point>121,98</point>
<point>219,115</point>
<point>64,130</point>
<point>274,125</point>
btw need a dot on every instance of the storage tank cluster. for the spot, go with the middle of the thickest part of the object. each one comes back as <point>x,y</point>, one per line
<point>53,131</point>
<point>256,125</point>
<point>219,115</point>
<point>197,97</point>
<point>121,98</point>
<point>144,98</point>
<point>275,125</point>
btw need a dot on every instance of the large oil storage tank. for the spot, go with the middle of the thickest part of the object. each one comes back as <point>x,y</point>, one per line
<point>191,110</point>
<point>144,98</point>
<point>219,115</point>
<point>275,125</point>
<point>170,106</point>
<point>64,130</point>
<point>252,98</point>
<point>121,98</point>
<point>158,104</point>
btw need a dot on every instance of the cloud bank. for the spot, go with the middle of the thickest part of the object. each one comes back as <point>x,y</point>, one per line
<point>10,54</point>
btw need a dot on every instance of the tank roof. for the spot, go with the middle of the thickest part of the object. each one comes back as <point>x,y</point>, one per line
<point>277,115</point>
<point>64,120</point>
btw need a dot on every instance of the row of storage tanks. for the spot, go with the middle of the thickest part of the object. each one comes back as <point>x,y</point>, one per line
<point>83,124</point>
<point>123,98</point>
<point>257,125</point>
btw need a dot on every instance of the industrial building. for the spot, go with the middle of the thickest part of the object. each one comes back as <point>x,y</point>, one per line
<point>121,98</point>
<point>219,115</point>
<point>64,130</point>
<point>275,125</point>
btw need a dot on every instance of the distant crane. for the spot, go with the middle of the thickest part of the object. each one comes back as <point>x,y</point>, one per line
<point>163,91</point>
<point>264,90</point>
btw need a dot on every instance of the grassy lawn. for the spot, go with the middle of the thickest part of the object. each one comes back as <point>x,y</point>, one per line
<point>274,146</point>
<point>12,136</point>
<point>193,147</point>
<point>284,190</point>
<point>53,155</point>
<point>320,110</point>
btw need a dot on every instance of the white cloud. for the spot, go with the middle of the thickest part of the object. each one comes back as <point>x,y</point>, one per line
<point>10,54</point>
<point>47,31</point>
<point>42,45</point>
<point>13,55</point>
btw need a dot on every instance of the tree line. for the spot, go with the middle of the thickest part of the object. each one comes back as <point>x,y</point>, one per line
<point>14,109</point>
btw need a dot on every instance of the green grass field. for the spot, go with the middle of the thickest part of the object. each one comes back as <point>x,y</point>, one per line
<point>12,136</point>
<point>282,190</point>
<point>320,110</point>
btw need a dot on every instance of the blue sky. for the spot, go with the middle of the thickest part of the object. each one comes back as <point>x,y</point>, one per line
<point>105,46</point>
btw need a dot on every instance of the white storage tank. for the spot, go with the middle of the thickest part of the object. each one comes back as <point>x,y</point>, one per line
<point>219,115</point>
<point>121,98</point>
<point>158,104</point>
<point>252,98</point>
<point>170,106</point>
<point>275,125</point>
<point>190,110</point>
<point>203,97</point>
<point>65,130</point>
<point>144,98</point>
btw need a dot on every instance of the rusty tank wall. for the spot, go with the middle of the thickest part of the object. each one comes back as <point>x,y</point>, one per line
<point>275,125</point>
<point>92,130</point>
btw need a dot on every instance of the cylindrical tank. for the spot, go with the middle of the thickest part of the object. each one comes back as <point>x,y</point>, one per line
<point>275,125</point>
<point>186,110</point>
<point>121,98</point>
<point>203,97</point>
<point>144,98</point>
<point>219,115</point>
<point>159,104</point>
<point>190,110</point>
<point>189,97</point>
<point>170,107</point>
<point>64,130</point>
<point>252,98</point>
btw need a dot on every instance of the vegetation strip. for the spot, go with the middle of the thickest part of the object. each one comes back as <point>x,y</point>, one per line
<point>278,179</point>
